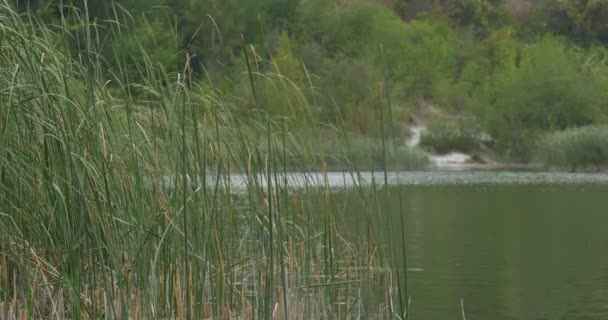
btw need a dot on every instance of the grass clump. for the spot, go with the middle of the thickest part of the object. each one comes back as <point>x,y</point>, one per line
<point>338,152</point>
<point>582,148</point>
<point>365,153</point>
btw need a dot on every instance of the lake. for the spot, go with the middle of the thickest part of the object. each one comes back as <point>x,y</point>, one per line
<point>500,245</point>
<point>508,245</point>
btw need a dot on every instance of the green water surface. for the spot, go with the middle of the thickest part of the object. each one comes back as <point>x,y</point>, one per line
<point>515,251</point>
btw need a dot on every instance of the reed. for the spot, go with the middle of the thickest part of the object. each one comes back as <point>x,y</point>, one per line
<point>116,198</point>
<point>581,148</point>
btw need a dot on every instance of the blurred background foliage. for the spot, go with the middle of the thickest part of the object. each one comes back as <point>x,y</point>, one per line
<point>519,67</point>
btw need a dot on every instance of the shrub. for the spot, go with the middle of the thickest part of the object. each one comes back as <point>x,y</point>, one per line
<point>349,83</point>
<point>582,21</point>
<point>445,136</point>
<point>481,15</point>
<point>150,41</point>
<point>213,31</point>
<point>418,54</point>
<point>286,63</point>
<point>547,88</point>
<point>581,148</point>
<point>317,21</point>
<point>476,63</point>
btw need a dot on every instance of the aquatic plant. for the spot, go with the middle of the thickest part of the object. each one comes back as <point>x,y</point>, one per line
<point>116,199</point>
<point>581,148</point>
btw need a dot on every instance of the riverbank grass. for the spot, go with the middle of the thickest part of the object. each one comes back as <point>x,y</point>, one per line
<point>576,149</point>
<point>364,153</point>
<point>100,216</point>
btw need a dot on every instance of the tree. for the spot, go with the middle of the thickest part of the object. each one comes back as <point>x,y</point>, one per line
<point>286,63</point>
<point>581,20</point>
<point>213,30</point>
<point>548,89</point>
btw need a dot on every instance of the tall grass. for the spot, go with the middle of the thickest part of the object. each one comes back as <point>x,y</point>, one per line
<point>582,148</point>
<point>340,152</point>
<point>116,198</point>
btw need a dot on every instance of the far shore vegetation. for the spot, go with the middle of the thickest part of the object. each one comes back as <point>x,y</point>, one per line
<point>516,70</point>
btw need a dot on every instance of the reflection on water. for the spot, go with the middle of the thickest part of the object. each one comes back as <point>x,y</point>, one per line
<point>520,249</point>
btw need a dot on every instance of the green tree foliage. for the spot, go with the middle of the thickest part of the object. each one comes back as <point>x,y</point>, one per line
<point>317,21</point>
<point>287,63</point>
<point>350,94</point>
<point>581,20</point>
<point>214,30</point>
<point>149,41</point>
<point>476,64</point>
<point>483,15</point>
<point>547,88</point>
<point>419,55</point>
<point>279,91</point>
<point>465,56</point>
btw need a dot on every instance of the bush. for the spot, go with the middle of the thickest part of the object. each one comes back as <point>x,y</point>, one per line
<point>581,148</point>
<point>481,15</point>
<point>151,41</point>
<point>418,54</point>
<point>445,136</point>
<point>547,88</point>
<point>349,84</point>
<point>317,21</point>
<point>582,21</point>
<point>476,63</point>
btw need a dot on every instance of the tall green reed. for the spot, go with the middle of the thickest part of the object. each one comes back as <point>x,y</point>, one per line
<point>117,197</point>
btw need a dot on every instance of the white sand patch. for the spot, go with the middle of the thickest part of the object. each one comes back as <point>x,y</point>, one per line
<point>454,160</point>
<point>414,138</point>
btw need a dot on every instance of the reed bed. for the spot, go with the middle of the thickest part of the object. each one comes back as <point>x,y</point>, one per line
<point>116,201</point>
<point>576,149</point>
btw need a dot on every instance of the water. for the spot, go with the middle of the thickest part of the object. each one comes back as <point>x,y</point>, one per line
<point>340,180</point>
<point>510,245</point>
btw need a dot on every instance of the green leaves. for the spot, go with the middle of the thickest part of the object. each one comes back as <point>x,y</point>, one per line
<point>582,21</point>
<point>150,41</point>
<point>548,88</point>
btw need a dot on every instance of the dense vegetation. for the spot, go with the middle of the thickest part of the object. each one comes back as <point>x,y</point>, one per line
<point>118,198</point>
<point>581,148</point>
<point>122,123</point>
<point>521,68</point>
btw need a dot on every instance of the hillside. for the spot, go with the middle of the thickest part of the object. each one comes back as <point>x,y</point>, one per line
<point>520,69</point>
